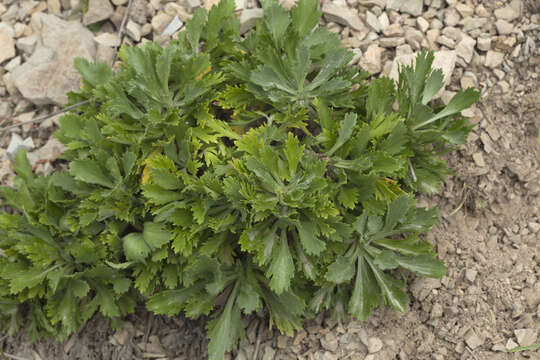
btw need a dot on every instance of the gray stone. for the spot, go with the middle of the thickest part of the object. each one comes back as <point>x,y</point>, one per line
<point>506,13</point>
<point>483,43</point>
<point>268,353</point>
<point>27,44</point>
<point>134,30</point>
<point>49,73</point>
<point>471,23</point>
<point>160,22</point>
<point>191,5</point>
<point>13,63</point>
<point>175,25</point>
<point>98,10</point>
<point>248,18</point>
<point>413,7</point>
<point>394,30</point>
<point>17,143</point>
<point>374,345</point>
<point>534,227</point>
<point>504,27</point>
<point>473,340</point>
<point>342,15</point>
<point>108,39</point>
<point>48,152</point>
<point>7,46</point>
<point>371,60</point>
<point>330,342</point>
<point>526,337</point>
<point>373,21</point>
<point>423,24</point>
<point>494,59</point>
<point>465,48</point>
<point>470,274</point>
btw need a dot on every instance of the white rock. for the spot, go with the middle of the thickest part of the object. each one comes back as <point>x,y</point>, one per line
<point>7,28</point>
<point>483,43</point>
<point>160,22</point>
<point>470,274</point>
<point>13,63</point>
<point>98,10</point>
<point>534,227</point>
<point>248,18</point>
<point>444,60</point>
<point>374,345</point>
<point>191,4</point>
<point>510,344</point>
<point>108,39</point>
<point>342,15</point>
<point>134,30</point>
<point>371,61</point>
<point>504,27</point>
<point>49,74</point>
<point>175,25</point>
<point>471,23</point>
<point>464,10</point>
<point>7,46</point>
<point>17,143</point>
<point>48,152</point>
<point>446,41</point>
<point>373,21</point>
<point>526,337</point>
<point>465,48</point>
<point>27,44</point>
<point>384,21</point>
<point>494,59</point>
<point>120,2</point>
<point>394,30</point>
<point>423,24</point>
<point>506,13</point>
<point>473,340</point>
<point>413,7</point>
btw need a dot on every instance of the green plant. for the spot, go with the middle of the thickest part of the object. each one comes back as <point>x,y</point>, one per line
<point>222,175</point>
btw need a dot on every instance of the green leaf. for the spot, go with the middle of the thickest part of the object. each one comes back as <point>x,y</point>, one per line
<point>22,166</point>
<point>225,330</point>
<point>348,196</point>
<point>345,132</point>
<point>434,83</point>
<point>386,260</point>
<point>90,172</point>
<point>307,232</point>
<point>171,302</point>
<point>156,235</point>
<point>305,16</point>
<point>340,271</point>
<point>135,248</point>
<point>365,295</point>
<point>276,20</point>
<point>79,287</point>
<point>93,73</point>
<point>380,96</point>
<point>281,269</point>
<point>294,153</point>
<point>397,210</point>
<point>391,289</point>
<point>425,265</point>
<point>248,298</point>
<point>459,102</point>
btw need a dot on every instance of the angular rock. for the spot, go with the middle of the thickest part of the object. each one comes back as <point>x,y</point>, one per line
<point>27,44</point>
<point>48,152</point>
<point>134,30</point>
<point>371,61</point>
<point>394,30</point>
<point>471,23</point>
<point>191,5</point>
<point>444,60</point>
<point>98,10</point>
<point>17,143</point>
<point>160,22</point>
<point>413,7</point>
<point>526,337</point>
<point>465,48</point>
<point>374,345</point>
<point>249,18</point>
<point>342,15</point>
<point>494,59</point>
<point>330,342</point>
<point>483,43</point>
<point>7,46</point>
<point>473,340</point>
<point>423,24</point>
<point>384,21</point>
<point>506,13</point>
<point>504,27</point>
<point>464,10</point>
<point>49,73</point>
<point>108,39</point>
<point>173,26</point>
<point>373,21</point>
<point>54,7</point>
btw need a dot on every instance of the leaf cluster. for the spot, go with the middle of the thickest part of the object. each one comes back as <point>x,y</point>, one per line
<point>224,175</point>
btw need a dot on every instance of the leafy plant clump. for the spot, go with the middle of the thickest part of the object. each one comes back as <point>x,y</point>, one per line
<point>224,175</point>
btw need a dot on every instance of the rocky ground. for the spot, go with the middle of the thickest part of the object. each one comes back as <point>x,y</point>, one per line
<point>489,231</point>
